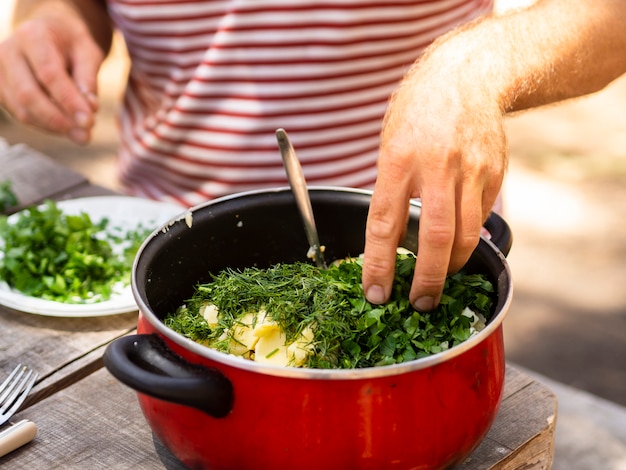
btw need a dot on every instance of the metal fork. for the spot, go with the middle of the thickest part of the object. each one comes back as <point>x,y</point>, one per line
<point>14,391</point>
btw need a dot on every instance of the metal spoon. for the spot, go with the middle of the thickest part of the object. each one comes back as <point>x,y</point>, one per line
<point>301,193</point>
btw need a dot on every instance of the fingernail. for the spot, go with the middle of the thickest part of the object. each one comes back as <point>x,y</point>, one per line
<point>376,295</point>
<point>81,119</point>
<point>78,135</point>
<point>424,304</point>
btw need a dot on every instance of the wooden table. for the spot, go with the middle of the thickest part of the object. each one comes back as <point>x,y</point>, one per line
<point>88,420</point>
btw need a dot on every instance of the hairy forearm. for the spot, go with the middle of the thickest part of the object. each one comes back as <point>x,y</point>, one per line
<point>93,12</point>
<point>555,50</point>
<point>578,48</point>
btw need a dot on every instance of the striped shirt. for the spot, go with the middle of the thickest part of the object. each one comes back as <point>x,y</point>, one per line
<point>211,81</point>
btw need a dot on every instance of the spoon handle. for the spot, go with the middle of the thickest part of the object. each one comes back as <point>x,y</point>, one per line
<point>301,193</point>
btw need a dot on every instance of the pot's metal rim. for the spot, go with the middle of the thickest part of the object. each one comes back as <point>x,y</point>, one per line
<point>319,374</point>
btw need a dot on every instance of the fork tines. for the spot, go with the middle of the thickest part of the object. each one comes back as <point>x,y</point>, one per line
<point>14,391</point>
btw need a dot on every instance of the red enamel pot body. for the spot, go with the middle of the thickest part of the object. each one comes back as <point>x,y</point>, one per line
<point>217,411</point>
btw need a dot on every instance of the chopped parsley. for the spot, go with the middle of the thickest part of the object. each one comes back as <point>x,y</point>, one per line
<point>51,255</point>
<point>8,198</point>
<point>349,332</point>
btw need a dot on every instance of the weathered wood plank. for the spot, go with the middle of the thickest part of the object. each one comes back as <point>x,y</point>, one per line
<point>85,191</point>
<point>96,425</point>
<point>522,436</point>
<point>514,428</point>
<point>58,348</point>
<point>34,176</point>
<point>514,381</point>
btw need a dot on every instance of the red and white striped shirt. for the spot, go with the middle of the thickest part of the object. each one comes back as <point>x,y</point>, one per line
<point>211,81</point>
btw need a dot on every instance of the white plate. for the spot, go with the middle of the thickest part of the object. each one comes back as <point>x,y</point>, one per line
<point>124,212</point>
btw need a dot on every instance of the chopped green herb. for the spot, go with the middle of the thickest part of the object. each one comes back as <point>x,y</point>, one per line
<point>8,198</point>
<point>349,332</point>
<point>66,258</point>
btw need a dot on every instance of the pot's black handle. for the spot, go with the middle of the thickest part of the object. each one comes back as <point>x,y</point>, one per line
<point>500,232</point>
<point>146,364</point>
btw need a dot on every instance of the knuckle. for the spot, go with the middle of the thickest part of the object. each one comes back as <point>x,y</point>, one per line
<point>23,97</point>
<point>26,110</point>
<point>20,107</point>
<point>395,158</point>
<point>438,236</point>
<point>466,242</point>
<point>47,73</point>
<point>378,267</point>
<point>20,115</point>
<point>429,283</point>
<point>56,122</point>
<point>380,227</point>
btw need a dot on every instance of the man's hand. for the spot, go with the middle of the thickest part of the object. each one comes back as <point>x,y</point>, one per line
<point>443,142</point>
<point>48,72</point>
<point>443,138</point>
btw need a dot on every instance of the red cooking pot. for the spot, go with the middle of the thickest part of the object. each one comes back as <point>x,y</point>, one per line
<point>217,411</point>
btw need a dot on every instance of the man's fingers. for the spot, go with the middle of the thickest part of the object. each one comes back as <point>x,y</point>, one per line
<point>386,223</point>
<point>50,69</point>
<point>469,220</point>
<point>51,59</point>
<point>435,242</point>
<point>86,64</point>
<point>28,103</point>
